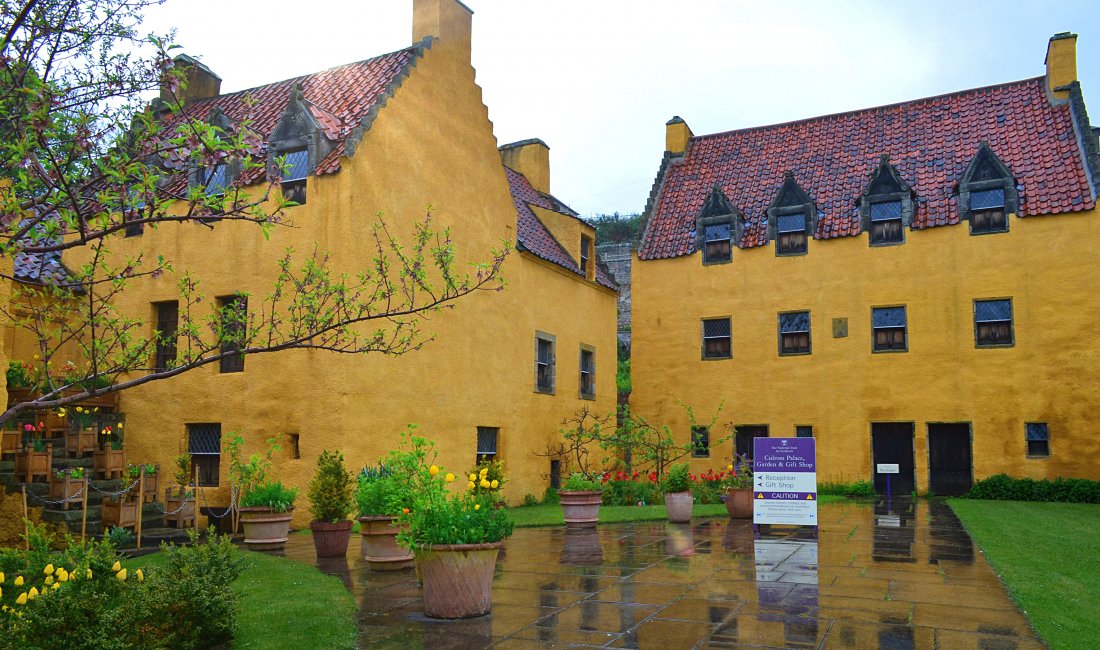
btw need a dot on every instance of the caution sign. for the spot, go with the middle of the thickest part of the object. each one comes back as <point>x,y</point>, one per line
<point>785,481</point>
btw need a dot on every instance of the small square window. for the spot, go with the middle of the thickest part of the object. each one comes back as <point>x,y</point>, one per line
<point>487,444</point>
<point>1038,439</point>
<point>293,183</point>
<point>790,234</point>
<point>987,211</point>
<point>886,223</point>
<point>716,338</point>
<point>717,246</point>
<point>993,323</point>
<point>700,442</point>
<point>167,323</point>
<point>234,328</point>
<point>214,179</point>
<point>544,363</point>
<point>794,333</point>
<point>804,431</point>
<point>588,373</point>
<point>889,325</point>
<point>204,443</point>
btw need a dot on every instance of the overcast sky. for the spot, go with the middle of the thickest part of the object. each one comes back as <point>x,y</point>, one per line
<point>598,79</point>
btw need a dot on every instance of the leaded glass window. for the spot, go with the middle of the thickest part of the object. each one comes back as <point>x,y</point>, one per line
<point>717,243</point>
<point>889,325</point>
<point>716,338</point>
<point>886,222</point>
<point>791,233</point>
<point>1038,438</point>
<point>992,322</point>
<point>204,443</point>
<point>794,333</point>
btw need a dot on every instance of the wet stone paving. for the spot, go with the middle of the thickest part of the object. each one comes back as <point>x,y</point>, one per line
<point>892,576</point>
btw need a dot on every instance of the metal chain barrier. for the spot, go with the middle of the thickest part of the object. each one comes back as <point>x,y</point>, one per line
<point>164,512</point>
<point>76,497</point>
<point>113,494</point>
<point>206,506</point>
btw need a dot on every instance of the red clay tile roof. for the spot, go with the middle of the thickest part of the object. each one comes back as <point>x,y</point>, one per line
<point>930,141</point>
<point>339,98</point>
<point>533,235</point>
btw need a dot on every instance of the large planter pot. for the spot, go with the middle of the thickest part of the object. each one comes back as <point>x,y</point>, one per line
<point>739,503</point>
<point>330,539</point>
<point>380,548</point>
<point>109,463</point>
<point>119,513</point>
<point>678,506</point>
<point>65,488</point>
<point>581,509</point>
<point>31,464</point>
<point>179,510</point>
<point>264,528</point>
<point>458,579</point>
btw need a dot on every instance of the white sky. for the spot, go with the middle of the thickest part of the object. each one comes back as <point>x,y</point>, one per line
<point>598,79</point>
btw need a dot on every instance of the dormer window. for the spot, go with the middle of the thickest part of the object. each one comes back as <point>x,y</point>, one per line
<point>586,245</point>
<point>717,226</point>
<point>213,179</point>
<point>791,218</point>
<point>294,175</point>
<point>887,206</point>
<point>987,193</point>
<point>886,223</point>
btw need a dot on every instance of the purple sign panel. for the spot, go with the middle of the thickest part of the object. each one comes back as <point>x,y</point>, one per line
<point>784,455</point>
<point>785,481</point>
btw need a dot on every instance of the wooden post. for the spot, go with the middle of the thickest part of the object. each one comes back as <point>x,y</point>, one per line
<point>84,505</point>
<point>140,498</point>
<point>26,521</point>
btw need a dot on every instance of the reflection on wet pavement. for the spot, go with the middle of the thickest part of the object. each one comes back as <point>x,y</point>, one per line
<point>892,576</point>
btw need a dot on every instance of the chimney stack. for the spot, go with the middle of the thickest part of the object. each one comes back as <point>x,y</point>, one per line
<point>201,81</point>
<point>677,134</point>
<point>450,21</point>
<point>530,158</point>
<point>1061,63</point>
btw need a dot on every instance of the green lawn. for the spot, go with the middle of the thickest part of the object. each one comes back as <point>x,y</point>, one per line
<point>550,515</point>
<point>286,604</point>
<point>1046,555</point>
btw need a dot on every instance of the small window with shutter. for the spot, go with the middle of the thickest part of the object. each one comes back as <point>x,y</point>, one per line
<point>544,363</point>
<point>204,443</point>
<point>588,372</point>
<point>794,333</point>
<point>716,338</point>
<point>487,438</point>
<point>993,323</point>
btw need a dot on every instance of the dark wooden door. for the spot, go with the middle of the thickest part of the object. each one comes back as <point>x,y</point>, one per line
<point>744,436</point>
<point>950,463</point>
<point>892,442</point>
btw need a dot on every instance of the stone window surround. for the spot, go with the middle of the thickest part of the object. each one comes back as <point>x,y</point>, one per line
<point>905,195</point>
<point>552,363</point>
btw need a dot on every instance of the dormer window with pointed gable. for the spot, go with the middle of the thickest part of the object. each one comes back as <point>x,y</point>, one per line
<point>791,218</point>
<point>717,226</point>
<point>214,179</point>
<point>887,206</point>
<point>300,142</point>
<point>987,193</point>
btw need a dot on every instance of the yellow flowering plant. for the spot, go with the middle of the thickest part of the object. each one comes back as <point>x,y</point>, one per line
<point>487,478</point>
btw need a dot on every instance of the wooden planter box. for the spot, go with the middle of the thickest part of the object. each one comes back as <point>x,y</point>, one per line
<point>18,395</point>
<point>10,442</point>
<point>150,487</point>
<point>110,463</point>
<point>65,488</point>
<point>119,513</point>
<point>79,443</point>
<point>31,464</point>
<point>178,511</point>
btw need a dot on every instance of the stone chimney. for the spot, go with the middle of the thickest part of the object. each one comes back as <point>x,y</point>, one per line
<point>677,134</point>
<point>1061,63</point>
<point>201,81</point>
<point>450,21</point>
<point>530,158</point>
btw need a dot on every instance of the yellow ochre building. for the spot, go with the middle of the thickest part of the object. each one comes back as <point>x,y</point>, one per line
<point>912,284</point>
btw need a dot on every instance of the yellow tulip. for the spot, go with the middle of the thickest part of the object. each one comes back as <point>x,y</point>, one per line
<point>477,506</point>
<point>62,575</point>
<point>48,570</point>
<point>433,470</point>
<point>729,468</point>
<point>18,581</point>
<point>49,580</point>
<point>1,577</point>
<point>117,566</point>
<point>22,599</point>
<point>1,592</point>
<point>33,593</point>
<point>450,477</point>
<point>484,472</point>
<point>473,477</point>
<point>121,575</point>
<point>56,585</point>
<point>495,484</point>
<point>484,483</point>
<point>470,485</point>
<point>140,575</point>
<point>88,574</point>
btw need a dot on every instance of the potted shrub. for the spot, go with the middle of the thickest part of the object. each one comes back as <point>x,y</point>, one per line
<point>179,504</point>
<point>580,499</point>
<point>678,498</point>
<point>265,515</point>
<point>330,504</point>
<point>36,458</point>
<point>738,486</point>
<point>67,484</point>
<point>488,479</point>
<point>456,539</point>
<point>150,481</point>
<point>381,495</point>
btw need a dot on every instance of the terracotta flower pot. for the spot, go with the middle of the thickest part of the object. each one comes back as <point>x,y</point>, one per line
<point>678,506</point>
<point>581,509</point>
<point>380,548</point>
<point>739,503</point>
<point>330,539</point>
<point>458,579</point>
<point>264,528</point>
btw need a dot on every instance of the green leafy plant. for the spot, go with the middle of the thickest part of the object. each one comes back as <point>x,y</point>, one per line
<point>270,494</point>
<point>330,491</point>
<point>379,492</point>
<point>856,489</point>
<point>578,482</point>
<point>121,537</point>
<point>183,470</point>
<point>1068,490</point>
<point>74,473</point>
<point>678,479</point>
<point>389,488</point>
<point>20,375</point>
<point>738,474</point>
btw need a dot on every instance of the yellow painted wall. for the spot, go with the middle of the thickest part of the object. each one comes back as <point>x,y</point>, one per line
<point>567,230</point>
<point>21,343</point>
<point>1046,265</point>
<point>432,144</point>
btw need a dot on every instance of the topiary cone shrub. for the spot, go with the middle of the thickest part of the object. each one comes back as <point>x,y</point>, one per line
<point>330,502</point>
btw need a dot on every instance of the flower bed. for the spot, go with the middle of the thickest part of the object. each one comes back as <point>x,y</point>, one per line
<point>623,489</point>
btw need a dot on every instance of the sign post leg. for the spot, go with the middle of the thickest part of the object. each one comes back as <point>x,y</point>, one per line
<point>888,499</point>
